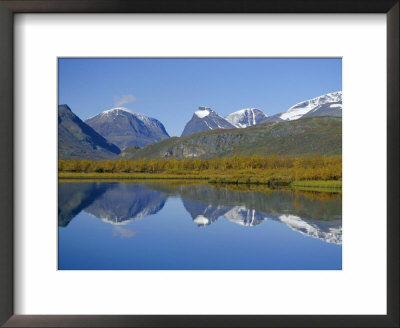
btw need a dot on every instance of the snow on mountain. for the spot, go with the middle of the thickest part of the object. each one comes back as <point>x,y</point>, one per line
<point>201,220</point>
<point>203,112</point>
<point>117,111</point>
<point>204,119</point>
<point>244,216</point>
<point>328,231</point>
<point>126,128</point>
<point>204,215</point>
<point>326,105</point>
<point>246,117</point>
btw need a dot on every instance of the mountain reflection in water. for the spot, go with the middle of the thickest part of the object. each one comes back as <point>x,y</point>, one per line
<point>317,215</point>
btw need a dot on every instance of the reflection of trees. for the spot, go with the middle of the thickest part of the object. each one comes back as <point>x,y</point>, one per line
<point>317,215</point>
<point>203,214</point>
<point>307,205</point>
<point>313,214</point>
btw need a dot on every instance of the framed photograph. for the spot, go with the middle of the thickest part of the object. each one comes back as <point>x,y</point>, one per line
<point>193,188</point>
<point>218,164</point>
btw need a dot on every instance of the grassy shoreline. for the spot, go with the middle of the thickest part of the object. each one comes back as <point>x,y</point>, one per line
<point>130,176</point>
<point>272,181</point>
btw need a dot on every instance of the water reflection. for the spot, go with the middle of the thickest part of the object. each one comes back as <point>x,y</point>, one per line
<point>317,215</point>
<point>122,203</point>
<point>75,197</point>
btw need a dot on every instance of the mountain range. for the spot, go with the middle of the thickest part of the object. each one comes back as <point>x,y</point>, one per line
<point>207,134</point>
<point>205,119</point>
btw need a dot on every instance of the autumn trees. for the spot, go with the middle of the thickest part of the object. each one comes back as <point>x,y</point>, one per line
<point>300,168</point>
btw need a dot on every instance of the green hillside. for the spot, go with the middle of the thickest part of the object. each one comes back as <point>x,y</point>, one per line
<point>308,136</point>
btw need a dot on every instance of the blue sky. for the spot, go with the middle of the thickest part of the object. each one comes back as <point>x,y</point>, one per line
<point>170,90</point>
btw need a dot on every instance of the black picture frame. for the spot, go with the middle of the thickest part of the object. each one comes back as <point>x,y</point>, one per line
<point>10,7</point>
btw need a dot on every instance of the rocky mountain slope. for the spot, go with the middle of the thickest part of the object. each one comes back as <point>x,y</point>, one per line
<point>77,140</point>
<point>308,136</point>
<point>326,105</point>
<point>205,119</point>
<point>246,117</point>
<point>126,128</point>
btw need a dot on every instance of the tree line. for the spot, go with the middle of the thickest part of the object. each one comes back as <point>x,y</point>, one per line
<point>319,167</point>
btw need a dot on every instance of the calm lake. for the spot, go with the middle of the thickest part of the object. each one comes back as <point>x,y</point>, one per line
<point>183,226</point>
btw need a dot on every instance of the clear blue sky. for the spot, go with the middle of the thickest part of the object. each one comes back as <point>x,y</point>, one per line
<point>170,90</point>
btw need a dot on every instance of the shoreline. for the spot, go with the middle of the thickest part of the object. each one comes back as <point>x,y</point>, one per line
<point>273,182</point>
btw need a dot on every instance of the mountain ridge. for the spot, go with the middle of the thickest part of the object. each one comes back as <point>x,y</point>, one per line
<point>124,127</point>
<point>77,140</point>
<point>204,119</point>
<point>246,117</point>
<point>307,107</point>
<point>307,136</point>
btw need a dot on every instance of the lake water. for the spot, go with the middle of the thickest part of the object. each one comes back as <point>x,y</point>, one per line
<point>183,226</point>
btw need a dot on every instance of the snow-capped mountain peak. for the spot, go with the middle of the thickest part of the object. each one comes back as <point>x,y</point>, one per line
<point>204,119</point>
<point>116,110</point>
<point>246,117</point>
<point>203,111</point>
<point>325,103</point>
<point>126,128</point>
<point>122,110</point>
